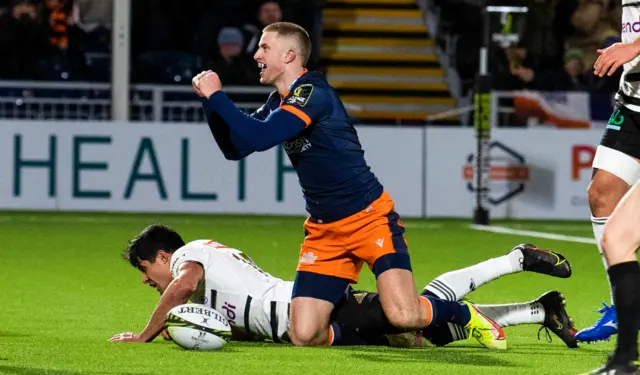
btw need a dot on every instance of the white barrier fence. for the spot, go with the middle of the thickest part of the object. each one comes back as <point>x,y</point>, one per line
<point>161,167</point>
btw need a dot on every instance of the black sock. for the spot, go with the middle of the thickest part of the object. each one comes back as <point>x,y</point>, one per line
<point>625,279</point>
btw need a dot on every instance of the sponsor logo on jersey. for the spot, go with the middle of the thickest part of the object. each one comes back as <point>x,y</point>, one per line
<point>631,27</point>
<point>231,312</point>
<point>297,145</point>
<point>615,121</point>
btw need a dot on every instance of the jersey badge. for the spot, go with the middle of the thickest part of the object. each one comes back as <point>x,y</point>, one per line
<point>301,95</point>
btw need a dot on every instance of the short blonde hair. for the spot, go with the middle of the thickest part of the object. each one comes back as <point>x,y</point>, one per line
<point>301,36</point>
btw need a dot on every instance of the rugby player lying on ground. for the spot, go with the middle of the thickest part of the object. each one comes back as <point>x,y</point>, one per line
<point>257,304</point>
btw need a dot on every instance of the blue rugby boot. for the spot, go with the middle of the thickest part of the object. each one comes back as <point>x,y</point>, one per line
<point>602,329</point>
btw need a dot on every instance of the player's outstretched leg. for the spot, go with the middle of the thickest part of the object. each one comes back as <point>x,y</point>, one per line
<point>454,285</point>
<point>620,242</point>
<point>548,311</point>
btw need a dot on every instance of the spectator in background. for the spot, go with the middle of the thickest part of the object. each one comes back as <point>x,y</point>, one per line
<point>594,22</point>
<point>269,12</point>
<point>512,68</point>
<point>56,20</point>
<point>233,66</point>
<point>90,15</point>
<point>94,20</point>
<point>67,61</point>
<point>516,69</point>
<point>574,70</point>
<point>23,41</point>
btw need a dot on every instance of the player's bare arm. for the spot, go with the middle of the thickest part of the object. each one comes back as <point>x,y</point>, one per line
<point>613,57</point>
<point>177,293</point>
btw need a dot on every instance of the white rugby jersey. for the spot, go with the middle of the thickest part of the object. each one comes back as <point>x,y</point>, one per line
<point>251,299</point>
<point>630,80</point>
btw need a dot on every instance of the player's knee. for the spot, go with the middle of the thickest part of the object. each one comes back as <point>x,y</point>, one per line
<point>597,194</point>
<point>307,336</point>
<point>604,192</point>
<point>603,196</point>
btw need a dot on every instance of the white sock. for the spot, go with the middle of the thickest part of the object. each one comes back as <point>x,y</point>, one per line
<point>515,313</point>
<point>454,285</point>
<point>597,223</point>
<point>505,315</point>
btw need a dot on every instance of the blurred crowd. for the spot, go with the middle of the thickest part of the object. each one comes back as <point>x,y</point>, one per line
<point>557,49</point>
<point>70,40</point>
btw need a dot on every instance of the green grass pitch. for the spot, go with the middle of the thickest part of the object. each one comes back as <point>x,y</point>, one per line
<point>65,290</point>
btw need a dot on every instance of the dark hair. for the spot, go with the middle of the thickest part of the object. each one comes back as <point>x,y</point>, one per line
<point>145,246</point>
<point>289,29</point>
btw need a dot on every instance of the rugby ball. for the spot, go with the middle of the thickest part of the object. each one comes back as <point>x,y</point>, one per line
<point>197,327</point>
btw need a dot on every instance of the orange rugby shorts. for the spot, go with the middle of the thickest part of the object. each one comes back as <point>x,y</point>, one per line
<point>374,235</point>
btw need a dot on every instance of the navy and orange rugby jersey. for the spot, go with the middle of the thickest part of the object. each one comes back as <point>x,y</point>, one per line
<point>313,127</point>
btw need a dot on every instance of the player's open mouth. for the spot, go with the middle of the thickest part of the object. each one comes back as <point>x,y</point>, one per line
<point>262,67</point>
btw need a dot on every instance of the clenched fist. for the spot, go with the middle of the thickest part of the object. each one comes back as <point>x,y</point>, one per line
<point>206,84</point>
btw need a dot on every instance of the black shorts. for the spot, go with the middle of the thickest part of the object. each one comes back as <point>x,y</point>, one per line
<point>623,131</point>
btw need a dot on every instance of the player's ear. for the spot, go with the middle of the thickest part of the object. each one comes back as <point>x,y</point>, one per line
<point>291,55</point>
<point>163,256</point>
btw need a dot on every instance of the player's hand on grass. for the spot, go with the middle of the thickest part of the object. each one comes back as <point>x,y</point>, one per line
<point>126,337</point>
<point>206,84</point>
<point>613,57</point>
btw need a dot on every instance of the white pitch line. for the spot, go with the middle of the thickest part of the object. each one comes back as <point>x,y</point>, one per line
<point>530,233</point>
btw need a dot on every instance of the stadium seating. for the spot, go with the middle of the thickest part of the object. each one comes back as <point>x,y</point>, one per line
<point>381,58</point>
